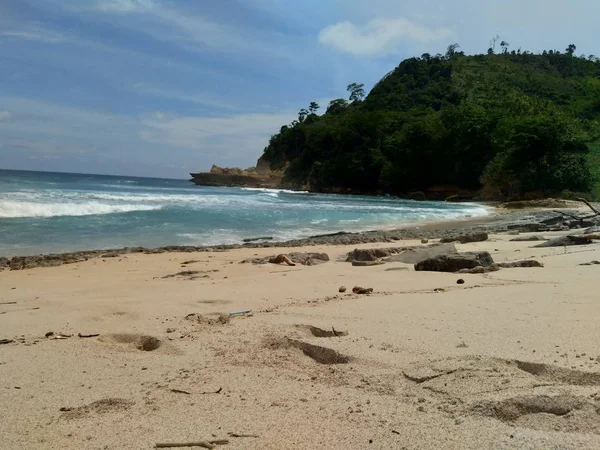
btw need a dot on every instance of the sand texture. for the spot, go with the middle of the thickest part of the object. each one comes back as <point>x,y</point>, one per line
<point>508,360</point>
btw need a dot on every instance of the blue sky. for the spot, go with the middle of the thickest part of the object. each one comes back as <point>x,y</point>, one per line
<point>165,87</point>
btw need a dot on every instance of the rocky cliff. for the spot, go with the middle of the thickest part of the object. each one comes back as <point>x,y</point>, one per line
<point>260,176</point>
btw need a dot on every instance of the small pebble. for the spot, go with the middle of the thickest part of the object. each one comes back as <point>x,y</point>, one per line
<point>459,420</point>
<point>342,289</point>
<point>171,330</point>
<point>460,281</point>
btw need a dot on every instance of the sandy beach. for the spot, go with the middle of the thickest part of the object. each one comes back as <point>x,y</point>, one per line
<point>509,359</point>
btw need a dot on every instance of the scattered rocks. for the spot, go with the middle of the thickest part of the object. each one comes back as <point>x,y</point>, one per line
<point>525,263</point>
<point>342,289</point>
<point>362,290</point>
<point>564,241</point>
<point>455,262</point>
<point>466,238</point>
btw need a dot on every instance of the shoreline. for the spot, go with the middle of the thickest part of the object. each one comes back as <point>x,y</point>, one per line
<point>493,223</point>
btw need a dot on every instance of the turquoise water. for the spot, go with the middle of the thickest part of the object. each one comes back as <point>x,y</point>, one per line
<point>43,212</point>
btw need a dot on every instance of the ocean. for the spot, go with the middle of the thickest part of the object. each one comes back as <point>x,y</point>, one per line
<point>44,212</point>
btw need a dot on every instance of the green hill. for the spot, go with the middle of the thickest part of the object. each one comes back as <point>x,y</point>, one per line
<point>503,125</point>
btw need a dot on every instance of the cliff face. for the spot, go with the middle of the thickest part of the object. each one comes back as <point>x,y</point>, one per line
<point>260,176</point>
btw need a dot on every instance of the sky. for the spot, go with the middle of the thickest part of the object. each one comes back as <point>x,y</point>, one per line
<point>167,87</point>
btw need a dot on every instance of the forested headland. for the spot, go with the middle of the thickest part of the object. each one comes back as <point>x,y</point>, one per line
<point>506,124</point>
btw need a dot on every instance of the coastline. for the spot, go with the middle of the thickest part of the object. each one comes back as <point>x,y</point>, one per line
<point>497,221</point>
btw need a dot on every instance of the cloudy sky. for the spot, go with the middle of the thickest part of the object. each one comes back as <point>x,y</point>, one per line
<point>165,87</point>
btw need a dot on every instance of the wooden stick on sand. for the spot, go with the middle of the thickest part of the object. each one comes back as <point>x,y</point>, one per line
<point>203,444</point>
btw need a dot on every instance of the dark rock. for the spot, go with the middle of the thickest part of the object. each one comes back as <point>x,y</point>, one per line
<point>537,237</point>
<point>309,259</point>
<point>306,259</point>
<point>4,263</point>
<point>553,220</point>
<point>591,263</point>
<point>481,269</point>
<point>264,238</point>
<point>367,263</point>
<point>564,241</point>
<point>413,255</point>
<point>466,238</point>
<point>370,254</point>
<point>581,223</point>
<point>460,281</point>
<point>528,227</point>
<point>362,290</point>
<point>454,262</point>
<point>342,289</point>
<point>525,263</point>
<point>424,241</point>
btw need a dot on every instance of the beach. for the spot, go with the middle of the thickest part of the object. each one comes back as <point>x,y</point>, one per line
<point>129,351</point>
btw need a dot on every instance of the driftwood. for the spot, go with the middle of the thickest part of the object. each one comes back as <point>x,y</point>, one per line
<point>88,335</point>
<point>218,391</point>
<point>597,213</point>
<point>581,218</point>
<point>236,435</point>
<point>203,444</point>
<point>179,391</point>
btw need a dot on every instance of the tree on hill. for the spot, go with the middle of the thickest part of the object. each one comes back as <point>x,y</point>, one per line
<point>313,107</point>
<point>357,92</point>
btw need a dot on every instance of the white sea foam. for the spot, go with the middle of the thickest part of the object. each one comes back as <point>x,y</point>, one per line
<point>12,209</point>
<point>275,191</point>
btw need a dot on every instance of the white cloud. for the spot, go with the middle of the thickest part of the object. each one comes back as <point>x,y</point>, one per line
<point>5,116</point>
<point>239,138</point>
<point>124,6</point>
<point>33,32</point>
<point>189,29</point>
<point>156,138</point>
<point>379,36</point>
<point>187,97</point>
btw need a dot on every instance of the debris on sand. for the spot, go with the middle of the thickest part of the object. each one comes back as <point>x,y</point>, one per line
<point>362,290</point>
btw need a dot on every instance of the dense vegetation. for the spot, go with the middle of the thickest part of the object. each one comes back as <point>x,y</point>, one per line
<point>503,124</point>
